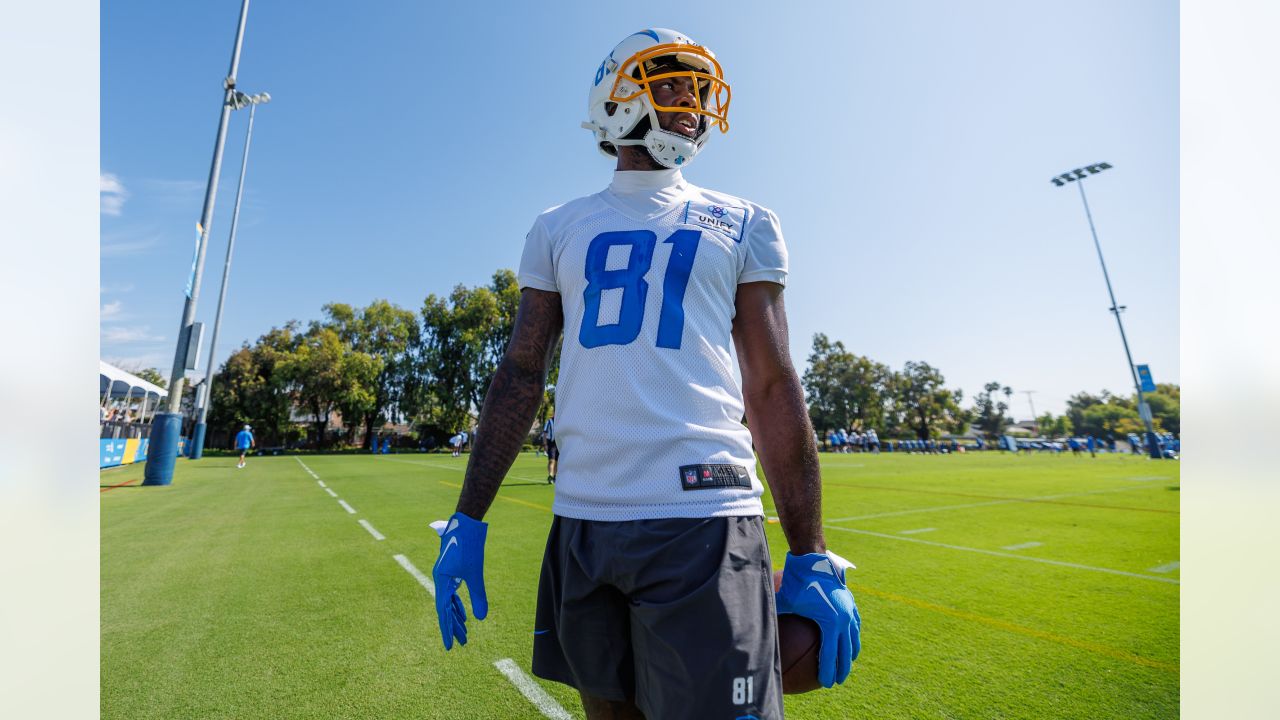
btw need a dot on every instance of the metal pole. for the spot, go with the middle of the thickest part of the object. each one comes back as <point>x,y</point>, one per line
<point>1143,412</point>
<point>206,387</point>
<point>159,470</point>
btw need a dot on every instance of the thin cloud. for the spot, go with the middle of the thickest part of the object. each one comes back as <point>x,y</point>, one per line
<point>117,335</point>
<point>112,194</point>
<point>150,360</point>
<point>111,310</point>
<point>127,247</point>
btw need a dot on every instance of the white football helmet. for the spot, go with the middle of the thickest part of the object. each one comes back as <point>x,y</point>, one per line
<point>620,98</point>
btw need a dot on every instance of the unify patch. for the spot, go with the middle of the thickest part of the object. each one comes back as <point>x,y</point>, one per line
<point>725,219</point>
<point>699,477</point>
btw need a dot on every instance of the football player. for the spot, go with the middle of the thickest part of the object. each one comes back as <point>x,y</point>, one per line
<point>549,444</point>
<point>656,598</point>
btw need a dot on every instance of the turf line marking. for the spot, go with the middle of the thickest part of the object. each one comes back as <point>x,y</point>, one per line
<point>1048,499</point>
<point>331,492</point>
<point>1170,567</point>
<point>423,580</point>
<point>916,531</point>
<point>304,467</point>
<point>321,483</point>
<point>347,507</point>
<point>532,692</point>
<point>989,503</point>
<point>117,485</point>
<point>526,503</point>
<point>376,535</point>
<point>1022,546</point>
<point>1111,652</point>
<point>1045,561</point>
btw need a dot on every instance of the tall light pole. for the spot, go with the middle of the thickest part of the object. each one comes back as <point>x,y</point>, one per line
<point>206,387</point>
<point>162,452</point>
<point>1029,393</point>
<point>1077,176</point>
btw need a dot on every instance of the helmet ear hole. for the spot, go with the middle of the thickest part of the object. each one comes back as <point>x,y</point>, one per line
<point>610,108</point>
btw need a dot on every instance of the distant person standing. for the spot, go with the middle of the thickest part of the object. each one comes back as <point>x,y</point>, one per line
<point>244,441</point>
<point>455,442</point>
<point>549,445</point>
<point>1092,442</point>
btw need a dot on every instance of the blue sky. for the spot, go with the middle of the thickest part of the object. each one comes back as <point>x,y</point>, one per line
<point>907,148</point>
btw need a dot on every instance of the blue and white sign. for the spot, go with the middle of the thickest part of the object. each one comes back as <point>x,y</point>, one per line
<point>1144,378</point>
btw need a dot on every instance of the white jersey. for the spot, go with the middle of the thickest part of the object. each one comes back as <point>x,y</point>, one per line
<point>648,411</point>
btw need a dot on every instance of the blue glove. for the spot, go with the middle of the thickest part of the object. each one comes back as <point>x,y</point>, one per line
<point>461,560</point>
<point>813,587</point>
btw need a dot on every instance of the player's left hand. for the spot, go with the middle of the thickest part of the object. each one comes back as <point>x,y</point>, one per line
<point>461,560</point>
<point>813,587</point>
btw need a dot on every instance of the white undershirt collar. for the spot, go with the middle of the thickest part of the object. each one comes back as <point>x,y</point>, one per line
<point>646,192</point>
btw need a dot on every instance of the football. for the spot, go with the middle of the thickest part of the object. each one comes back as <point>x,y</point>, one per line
<point>798,642</point>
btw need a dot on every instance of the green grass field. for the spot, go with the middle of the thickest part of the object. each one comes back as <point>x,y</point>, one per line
<point>990,586</point>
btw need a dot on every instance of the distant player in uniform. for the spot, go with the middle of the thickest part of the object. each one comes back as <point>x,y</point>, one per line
<point>455,442</point>
<point>655,599</point>
<point>549,444</point>
<point>244,441</point>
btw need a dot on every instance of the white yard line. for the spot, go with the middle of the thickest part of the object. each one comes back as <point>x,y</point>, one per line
<point>304,467</point>
<point>347,507</point>
<point>321,483</point>
<point>423,580</point>
<point>376,535</point>
<point>916,531</point>
<point>331,492</point>
<point>1169,567</point>
<point>532,692</point>
<point>1059,563</point>
<point>987,503</point>
<point>1022,546</point>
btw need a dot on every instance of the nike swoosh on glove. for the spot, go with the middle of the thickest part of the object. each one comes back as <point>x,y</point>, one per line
<point>813,587</point>
<point>461,560</point>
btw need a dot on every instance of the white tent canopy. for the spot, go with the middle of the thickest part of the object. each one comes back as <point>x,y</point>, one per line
<point>117,384</point>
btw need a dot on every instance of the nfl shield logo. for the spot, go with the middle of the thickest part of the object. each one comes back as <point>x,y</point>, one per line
<point>690,477</point>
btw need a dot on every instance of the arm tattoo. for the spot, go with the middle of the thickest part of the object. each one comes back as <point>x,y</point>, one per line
<point>512,400</point>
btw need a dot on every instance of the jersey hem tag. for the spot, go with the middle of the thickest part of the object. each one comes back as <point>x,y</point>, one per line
<point>701,477</point>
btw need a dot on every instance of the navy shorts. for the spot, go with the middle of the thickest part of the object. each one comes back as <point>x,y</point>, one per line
<point>676,615</point>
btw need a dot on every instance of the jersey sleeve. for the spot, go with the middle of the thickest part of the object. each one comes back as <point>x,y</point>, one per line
<point>766,252</point>
<point>537,269</point>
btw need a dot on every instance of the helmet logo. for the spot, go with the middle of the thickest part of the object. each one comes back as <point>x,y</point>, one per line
<point>679,159</point>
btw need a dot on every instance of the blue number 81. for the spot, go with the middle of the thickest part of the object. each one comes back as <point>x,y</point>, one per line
<point>635,289</point>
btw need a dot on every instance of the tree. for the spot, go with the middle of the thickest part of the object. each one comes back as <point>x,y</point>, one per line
<point>1166,407</point>
<point>1080,402</point>
<point>250,387</point>
<point>844,389</point>
<point>927,406</point>
<point>1054,427</point>
<point>391,334</point>
<point>988,413</point>
<point>464,338</point>
<point>324,374</point>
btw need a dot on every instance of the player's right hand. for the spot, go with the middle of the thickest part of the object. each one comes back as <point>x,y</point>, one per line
<point>461,560</point>
<point>813,587</point>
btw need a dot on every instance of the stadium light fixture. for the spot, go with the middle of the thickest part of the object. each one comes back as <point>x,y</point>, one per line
<point>1078,176</point>
<point>162,453</point>
<point>205,389</point>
